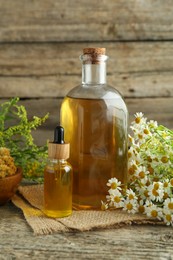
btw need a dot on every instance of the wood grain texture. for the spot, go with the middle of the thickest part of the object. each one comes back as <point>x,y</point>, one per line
<point>104,20</point>
<point>35,59</point>
<point>127,243</point>
<point>136,85</point>
<point>140,69</point>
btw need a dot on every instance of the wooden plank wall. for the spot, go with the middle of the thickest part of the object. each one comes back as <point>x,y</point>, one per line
<point>40,41</point>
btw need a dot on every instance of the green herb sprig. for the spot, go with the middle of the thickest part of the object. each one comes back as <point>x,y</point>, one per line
<point>15,134</point>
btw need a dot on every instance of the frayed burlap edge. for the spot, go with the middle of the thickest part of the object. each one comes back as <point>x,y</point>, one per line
<point>40,224</point>
<point>79,221</point>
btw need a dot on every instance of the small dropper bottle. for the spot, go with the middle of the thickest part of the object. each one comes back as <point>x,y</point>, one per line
<point>58,178</point>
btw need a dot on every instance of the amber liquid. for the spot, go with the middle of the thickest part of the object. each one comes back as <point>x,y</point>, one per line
<point>96,132</point>
<point>58,191</point>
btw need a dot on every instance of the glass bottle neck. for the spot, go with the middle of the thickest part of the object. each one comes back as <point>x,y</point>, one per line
<point>57,161</point>
<point>94,73</point>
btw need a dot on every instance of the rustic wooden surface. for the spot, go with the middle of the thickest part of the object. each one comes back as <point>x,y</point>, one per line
<point>129,242</point>
<point>40,70</point>
<point>106,20</point>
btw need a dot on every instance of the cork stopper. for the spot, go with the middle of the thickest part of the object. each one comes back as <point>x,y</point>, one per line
<point>58,149</point>
<point>94,51</point>
<point>93,55</point>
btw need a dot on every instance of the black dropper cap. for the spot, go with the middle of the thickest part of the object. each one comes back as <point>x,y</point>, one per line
<point>59,135</point>
<point>58,149</point>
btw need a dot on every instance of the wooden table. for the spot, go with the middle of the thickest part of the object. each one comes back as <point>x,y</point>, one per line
<point>129,242</point>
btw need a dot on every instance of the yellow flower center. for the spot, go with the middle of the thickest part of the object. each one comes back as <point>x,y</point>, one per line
<point>156,186</point>
<point>171,182</point>
<point>141,209</point>
<point>140,136</point>
<point>142,174</point>
<point>131,197</point>
<point>137,120</point>
<point>146,131</point>
<point>165,184</point>
<point>148,183</point>
<point>164,159</point>
<point>149,159</point>
<point>168,217</point>
<point>131,170</point>
<point>146,193</point>
<point>155,193</point>
<point>113,185</point>
<point>170,205</point>
<point>130,139</point>
<point>154,213</point>
<point>150,169</point>
<point>117,199</point>
<point>165,196</point>
<point>129,154</point>
<point>156,179</point>
<point>129,206</point>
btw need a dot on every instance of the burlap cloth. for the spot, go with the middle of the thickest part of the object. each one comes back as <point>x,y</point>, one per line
<point>30,201</point>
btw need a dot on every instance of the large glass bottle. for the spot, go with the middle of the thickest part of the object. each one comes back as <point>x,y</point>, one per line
<point>95,117</point>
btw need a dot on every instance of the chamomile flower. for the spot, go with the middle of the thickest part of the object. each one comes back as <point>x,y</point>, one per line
<point>133,164</point>
<point>167,186</point>
<point>118,202</point>
<point>141,174</point>
<point>142,191</point>
<point>168,204</point>
<point>146,131</point>
<point>156,191</point>
<point>141,206</point>
<point>152,125</point>
<point>114,184</point>
<point>131,194</point>
<point>138,133</point>
<point>139,118</point>
<point>168,217</point>
<point>130,206</point>
<point>153,211</point>
<point>115,199</point>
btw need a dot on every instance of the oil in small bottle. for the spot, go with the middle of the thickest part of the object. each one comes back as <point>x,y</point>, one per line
<point>58,178</point>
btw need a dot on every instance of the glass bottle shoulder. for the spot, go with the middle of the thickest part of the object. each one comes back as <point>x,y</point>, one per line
<point>94,91</point>
<point>104,92</point>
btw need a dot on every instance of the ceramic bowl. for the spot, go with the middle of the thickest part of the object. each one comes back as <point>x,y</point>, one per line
<point>8,186</point>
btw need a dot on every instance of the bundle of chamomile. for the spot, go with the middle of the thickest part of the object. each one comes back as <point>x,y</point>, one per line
<point>150,173</point>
